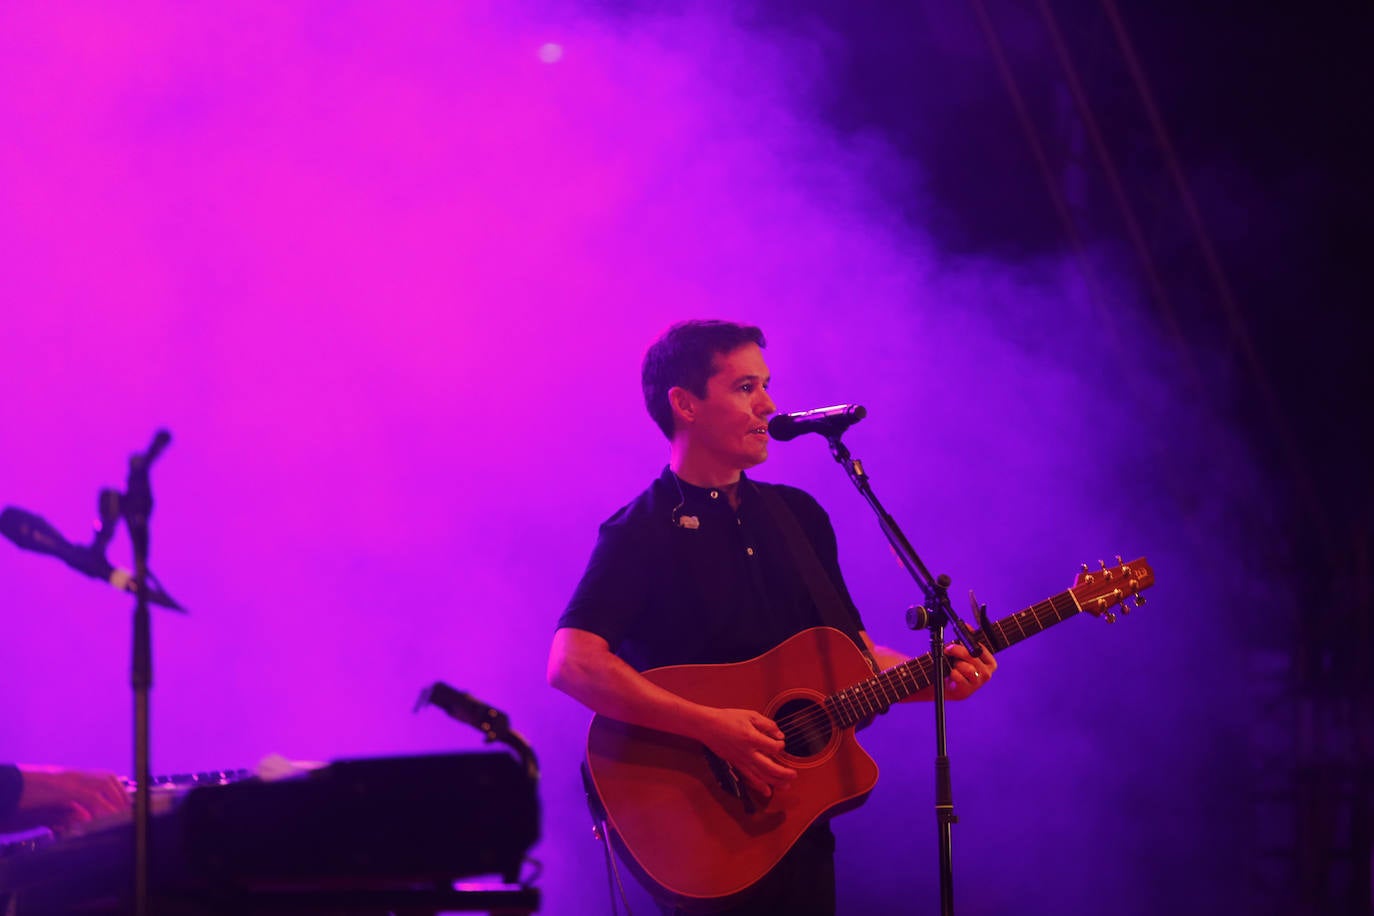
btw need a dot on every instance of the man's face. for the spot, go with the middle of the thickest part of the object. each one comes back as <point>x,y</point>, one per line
<point>731,424</point>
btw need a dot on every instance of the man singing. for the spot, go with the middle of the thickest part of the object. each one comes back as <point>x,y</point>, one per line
<point>698,569</point>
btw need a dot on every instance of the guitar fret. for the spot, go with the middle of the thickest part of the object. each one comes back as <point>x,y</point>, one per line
<point>856,698</point>
<point>875,702</point>
<point>846,708</point>
<point>1016,619</point>
<point>884,680</point>
<point>920,678</point>
<point>837,711</point>
<point>1069,605</point>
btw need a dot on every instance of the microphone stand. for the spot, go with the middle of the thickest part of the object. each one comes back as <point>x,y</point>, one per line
<point>934,615</point>
<point>137,507</point>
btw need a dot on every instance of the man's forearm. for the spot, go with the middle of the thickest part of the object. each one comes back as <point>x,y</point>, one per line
<point>607,685</point>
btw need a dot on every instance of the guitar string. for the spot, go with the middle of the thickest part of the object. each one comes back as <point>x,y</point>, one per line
<point>871,696</point>
<point>842,710</point>
<point>874,691</point>
<point>859,700</point>
<point>810,723</point>
<point>863,700</point>
<point>871,693</point>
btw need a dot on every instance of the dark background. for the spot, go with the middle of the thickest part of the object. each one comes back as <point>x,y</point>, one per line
<point>1245,222</point>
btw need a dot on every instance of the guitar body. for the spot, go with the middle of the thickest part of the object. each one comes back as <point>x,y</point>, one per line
<point>675,817</point>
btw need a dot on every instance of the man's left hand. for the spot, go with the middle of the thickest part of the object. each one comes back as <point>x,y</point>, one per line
<point>967,674</point>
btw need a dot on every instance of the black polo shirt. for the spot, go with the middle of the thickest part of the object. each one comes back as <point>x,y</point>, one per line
<point>663,590</point>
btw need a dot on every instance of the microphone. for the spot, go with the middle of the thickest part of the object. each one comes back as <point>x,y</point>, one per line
<point>828,421</point>
<point>30,532</point>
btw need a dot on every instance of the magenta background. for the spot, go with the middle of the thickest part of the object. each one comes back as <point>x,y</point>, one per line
<point>387,275</point>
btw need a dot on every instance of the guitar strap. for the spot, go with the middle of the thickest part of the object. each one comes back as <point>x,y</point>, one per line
<point>823,593</point>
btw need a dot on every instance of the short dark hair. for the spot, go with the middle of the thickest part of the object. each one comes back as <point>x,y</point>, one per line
<point>685,357</point>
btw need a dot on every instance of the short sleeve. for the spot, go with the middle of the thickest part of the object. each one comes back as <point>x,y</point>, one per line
<point>614,589</point>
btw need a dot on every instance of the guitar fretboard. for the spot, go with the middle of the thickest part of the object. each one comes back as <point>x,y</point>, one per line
<point>877,694</point>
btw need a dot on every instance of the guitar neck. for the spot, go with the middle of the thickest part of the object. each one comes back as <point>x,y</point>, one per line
<point>878,693</point>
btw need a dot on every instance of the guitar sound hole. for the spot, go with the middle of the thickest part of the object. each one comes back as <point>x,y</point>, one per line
<point>805,727</point>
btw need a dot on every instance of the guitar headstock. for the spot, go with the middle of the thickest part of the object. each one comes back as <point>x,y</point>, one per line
<point>1098,591</point>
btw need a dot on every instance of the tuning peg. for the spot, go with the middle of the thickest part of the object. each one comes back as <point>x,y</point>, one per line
<point>1139,600</point>
<point>1110,617</point>
<point>1085,567</point>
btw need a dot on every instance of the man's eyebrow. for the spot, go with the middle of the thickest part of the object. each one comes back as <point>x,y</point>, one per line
<point>752,378</point>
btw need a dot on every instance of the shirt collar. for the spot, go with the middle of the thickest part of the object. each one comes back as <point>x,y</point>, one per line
<point>705,499</point>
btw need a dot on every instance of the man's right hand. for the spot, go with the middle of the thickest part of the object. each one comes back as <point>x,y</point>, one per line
<point>751,743</point>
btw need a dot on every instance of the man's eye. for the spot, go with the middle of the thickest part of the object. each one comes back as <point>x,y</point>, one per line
<point>747,387</point>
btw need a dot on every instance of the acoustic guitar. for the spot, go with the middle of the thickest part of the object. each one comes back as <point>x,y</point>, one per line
<point>689,827</point>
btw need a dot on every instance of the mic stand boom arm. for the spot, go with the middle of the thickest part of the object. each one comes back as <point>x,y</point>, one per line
<point>937,612</point>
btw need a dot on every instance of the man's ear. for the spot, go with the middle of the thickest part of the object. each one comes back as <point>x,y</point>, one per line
<point>684,404</point>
